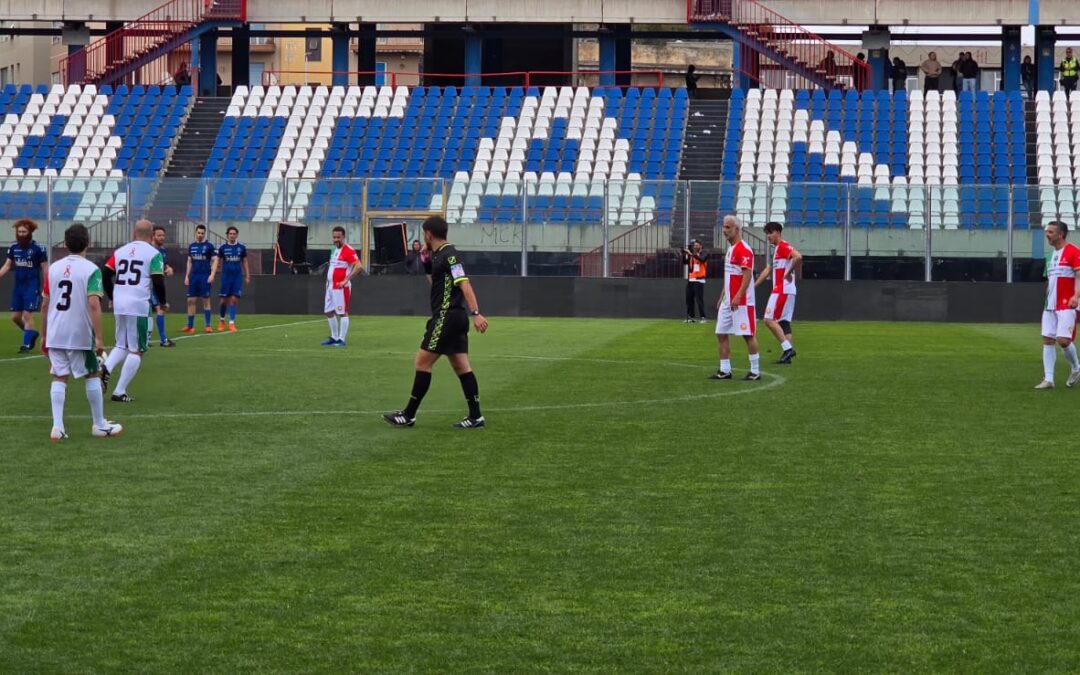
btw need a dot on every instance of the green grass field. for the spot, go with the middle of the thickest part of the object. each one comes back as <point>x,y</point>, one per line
<point>899,499</point>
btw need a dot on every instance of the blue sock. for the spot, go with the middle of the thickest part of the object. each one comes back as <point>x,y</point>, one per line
<point>26,335</point>
<point>191,321</point>
<point>161,327</point>
<point>232,313</point>
<point>206,315</point>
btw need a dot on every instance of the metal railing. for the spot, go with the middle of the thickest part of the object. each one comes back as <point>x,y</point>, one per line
<point>524,78</point>
<point>142,42</point>
<point>812,60</point>
<point>629,228</point>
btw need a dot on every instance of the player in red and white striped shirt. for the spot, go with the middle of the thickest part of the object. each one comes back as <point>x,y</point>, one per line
<point>344,265</point>
<point>781,308</point>
<point>735,311</point>
<point>1062,298</point>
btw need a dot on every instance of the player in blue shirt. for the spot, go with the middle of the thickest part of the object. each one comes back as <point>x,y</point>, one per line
<point>29,260</point>
<point>232,256</point>
<point>158,307</point>
<point>199,277</point>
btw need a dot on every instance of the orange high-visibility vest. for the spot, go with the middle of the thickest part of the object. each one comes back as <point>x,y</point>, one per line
<point>697,269</point>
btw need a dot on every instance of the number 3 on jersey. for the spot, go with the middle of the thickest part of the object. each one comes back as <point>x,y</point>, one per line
<point>66,288</point>
<point>128,272</point>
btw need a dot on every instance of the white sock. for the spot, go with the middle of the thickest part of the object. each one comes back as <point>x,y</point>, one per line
<point>131,366</point>
<point>96,400</point>
<point>332,320</point>
<point>116,357</point>
<point>58,393</point>
<point>725,365</point>
<point>785,345</point>
<point>344,327</point>
<point>755,363</point>
<point>1070,356</point>
<point>1049,358</point>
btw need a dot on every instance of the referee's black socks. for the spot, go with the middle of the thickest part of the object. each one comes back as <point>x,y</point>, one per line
<point>420,384</point>
<point>472,393</point>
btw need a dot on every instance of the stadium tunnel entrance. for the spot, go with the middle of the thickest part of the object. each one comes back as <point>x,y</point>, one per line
<point>489,55</point>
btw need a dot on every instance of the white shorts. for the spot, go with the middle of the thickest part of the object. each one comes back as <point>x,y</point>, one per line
<point>77,363</point>
<point>132,333</point>
<point>1059,324</point>
<point>781,307</point>
<point>337,300</point>
<point>741,321</point>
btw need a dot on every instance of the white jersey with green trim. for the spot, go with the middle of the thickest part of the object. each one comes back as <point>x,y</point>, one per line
<point>134,263</point>
<point>69,283</point>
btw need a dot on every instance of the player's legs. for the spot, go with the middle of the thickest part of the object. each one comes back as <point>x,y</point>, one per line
<point>689,302</point>
<point>422,364</point>
<point>1049,339</point>
<point>60,369</point>
<point>159,320</point>
<point>190,328</point>
<point>1066,335</point>
<point>343,315</point>
<point>17,319</point>
<point>131,343</point>
<point>208,312</point>
<point>331,306</point>
<point>699,297</point>
<point>470,388</point>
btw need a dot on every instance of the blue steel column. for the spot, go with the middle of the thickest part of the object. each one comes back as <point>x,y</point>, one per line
<point>607,59</point>
<point>339,40</point>
<point>208,63</point>
<point>876,41</point>
<point>1010,57</point>
<point>474,53</point>
<point>1045,40</point>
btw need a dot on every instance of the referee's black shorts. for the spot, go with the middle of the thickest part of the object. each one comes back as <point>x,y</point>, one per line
<point>449,336</point>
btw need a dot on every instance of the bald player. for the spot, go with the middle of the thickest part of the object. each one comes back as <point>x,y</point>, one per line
<point>134,271</point>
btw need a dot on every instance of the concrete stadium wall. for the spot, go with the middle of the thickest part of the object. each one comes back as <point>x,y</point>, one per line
<point>312,11</point>
<point>645,298</point>
<point>900,13</point>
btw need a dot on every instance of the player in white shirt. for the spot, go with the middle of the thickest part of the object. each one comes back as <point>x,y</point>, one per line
<point>71,332</point>
<point>781,308</point>
<point>735,311</point>
<point>134,270</point>
<point>344,265</point>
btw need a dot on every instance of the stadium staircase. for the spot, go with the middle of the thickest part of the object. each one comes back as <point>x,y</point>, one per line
<point>1031,128</point>
<point>798,50</point>
<point>702,160</point>
<point>185,169</point>
<point>112,58</point>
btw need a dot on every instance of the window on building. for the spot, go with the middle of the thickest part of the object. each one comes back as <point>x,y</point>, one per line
<point>5,76</point>
<point>313,46</point>
<point>259,40</point>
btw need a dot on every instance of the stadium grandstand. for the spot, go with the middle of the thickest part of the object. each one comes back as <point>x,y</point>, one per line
<point>611,169</point>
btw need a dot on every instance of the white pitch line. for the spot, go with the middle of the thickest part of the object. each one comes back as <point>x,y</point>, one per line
<point>14,359</point>
<point>776,381</point>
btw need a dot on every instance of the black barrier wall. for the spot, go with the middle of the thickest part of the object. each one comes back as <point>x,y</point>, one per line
<point>642,298</point>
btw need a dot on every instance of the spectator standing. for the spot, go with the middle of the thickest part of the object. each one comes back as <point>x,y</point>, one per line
<point>691,81</point>
<point>1027,76</point>
<point>899,74</point>
<point>414,263</point>
<point>828,64</point>
<point>1069,70</point>
<point>958,79</point>
<point>969,72</point>
<point>860,71</point>
<point>931,69</point>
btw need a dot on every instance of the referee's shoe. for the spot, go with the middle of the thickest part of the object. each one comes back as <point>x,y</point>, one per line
<point>470,423</point>
<point>398,418</point>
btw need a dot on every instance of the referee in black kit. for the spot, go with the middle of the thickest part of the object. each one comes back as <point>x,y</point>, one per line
<point>452,303</point>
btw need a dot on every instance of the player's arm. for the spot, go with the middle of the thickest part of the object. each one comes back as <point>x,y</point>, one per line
<point>45,314</point>
<point>474,307</point>
<point>354,269</point>
<point>215,260</point>
<point>108,278</point>
<point>93,304</point>
<point>7,266</point>
<point>747,282</point>
<point>795,264</point>
<point>187,272</point>
<point>247,270</point>
<point>157,279</point>
<point>1074,301</point>
<point>763,276</point>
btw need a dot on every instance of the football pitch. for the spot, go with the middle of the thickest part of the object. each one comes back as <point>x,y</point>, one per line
<point>898,499</point>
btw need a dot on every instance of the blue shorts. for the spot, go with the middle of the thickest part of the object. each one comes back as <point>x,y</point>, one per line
<point>25,298</point>
<point>199,287</point>
<point>232,285</point>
